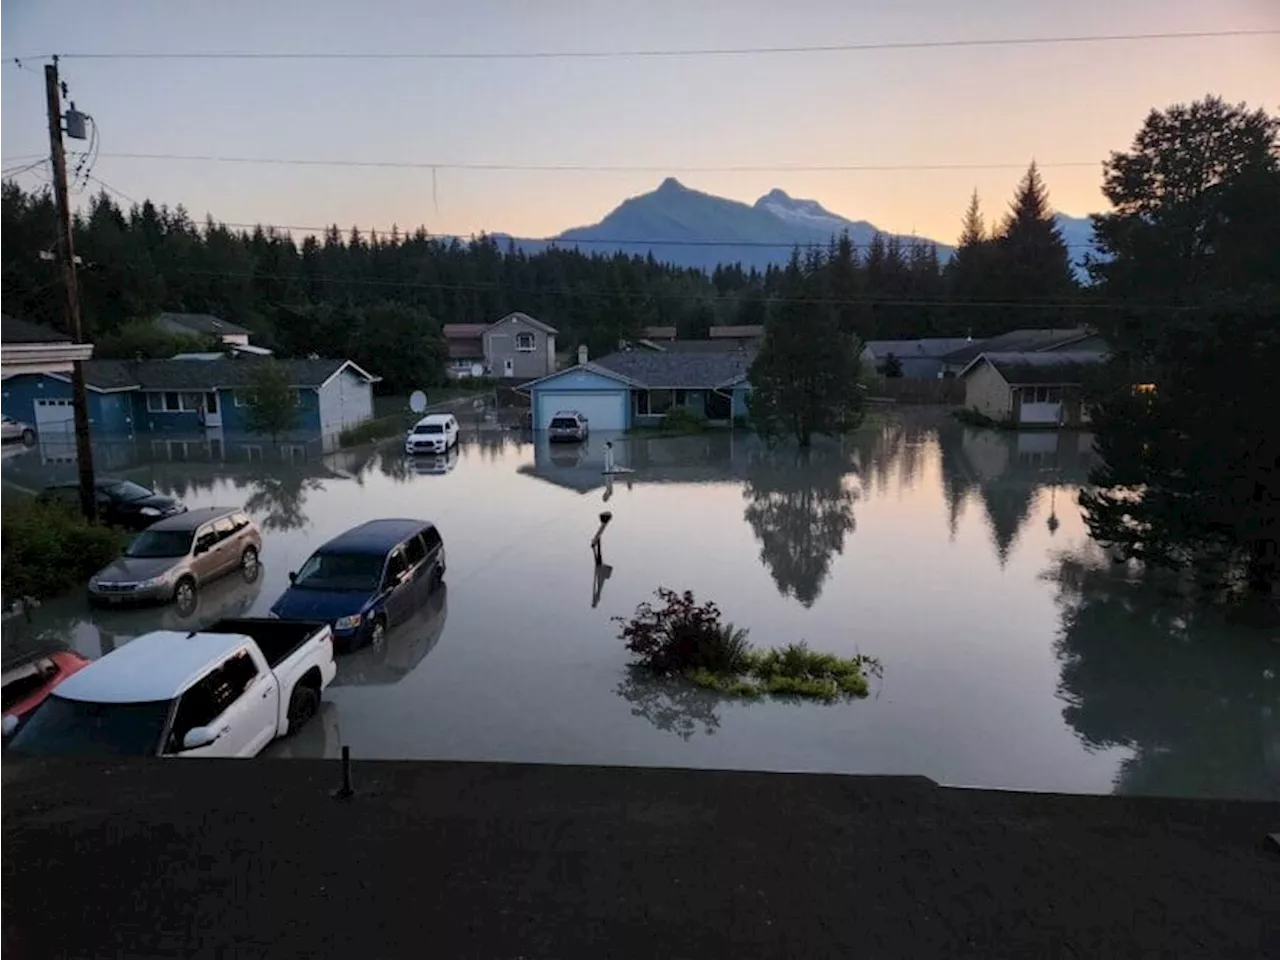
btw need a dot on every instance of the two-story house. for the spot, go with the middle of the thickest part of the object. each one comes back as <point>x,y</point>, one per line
<point>517,347</point>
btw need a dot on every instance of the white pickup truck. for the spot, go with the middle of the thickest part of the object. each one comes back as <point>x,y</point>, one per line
<point>225,691</point>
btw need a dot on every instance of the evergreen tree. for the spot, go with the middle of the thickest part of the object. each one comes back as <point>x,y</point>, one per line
<point>806,378</point>
<point>1033,263</point>
<point>272,401</point>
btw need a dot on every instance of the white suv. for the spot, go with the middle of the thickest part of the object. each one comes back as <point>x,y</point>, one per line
<point>434,433</point>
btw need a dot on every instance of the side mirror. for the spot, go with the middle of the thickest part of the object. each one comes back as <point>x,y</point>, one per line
<point>199,737</point>
<point>293,576</point>
<point>10,725</point>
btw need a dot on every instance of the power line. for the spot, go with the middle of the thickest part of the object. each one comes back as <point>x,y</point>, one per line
<point>614,241</point>
<point>861,47</point>
<point>1058,304</point>
<point>592,167</point>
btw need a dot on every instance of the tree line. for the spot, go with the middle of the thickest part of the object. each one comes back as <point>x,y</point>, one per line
<point>354,295</point>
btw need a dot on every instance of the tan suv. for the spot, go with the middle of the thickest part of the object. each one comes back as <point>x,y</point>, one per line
<point>172,559</point>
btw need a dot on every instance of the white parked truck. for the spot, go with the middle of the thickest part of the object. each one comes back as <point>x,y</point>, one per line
<point>225,691</point>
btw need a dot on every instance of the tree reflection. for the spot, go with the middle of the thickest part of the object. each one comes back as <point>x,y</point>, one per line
<point>674,706</point>
<point>800,509</point>
<point>1194,695</point>
<point>278,499</point>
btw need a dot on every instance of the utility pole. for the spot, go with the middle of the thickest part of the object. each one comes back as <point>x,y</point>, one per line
<point>71,295</point>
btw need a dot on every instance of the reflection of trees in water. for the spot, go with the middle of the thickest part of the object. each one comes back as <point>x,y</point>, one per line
<point>1196,696</point>
<point>277,500</point>
<point>800,510</point>
<point>674,706</point>
<point>1006,471</point>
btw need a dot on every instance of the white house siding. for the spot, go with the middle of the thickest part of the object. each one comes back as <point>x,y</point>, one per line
<point>986,391</point>
<point>345,401</point>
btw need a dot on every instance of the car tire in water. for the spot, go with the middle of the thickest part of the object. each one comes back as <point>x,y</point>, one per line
<point>303,705</point>
<point>184,596</point>
<point>28,437</point>
<point>377,633</point>
<point>249,559</point>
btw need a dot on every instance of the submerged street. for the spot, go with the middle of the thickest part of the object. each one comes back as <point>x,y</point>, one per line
<point>1014,655</point>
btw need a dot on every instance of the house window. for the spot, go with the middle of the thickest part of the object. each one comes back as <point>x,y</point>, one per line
<point>526,342</point>
<point>239,398</point>
<point>681,396</point>
<point>1041,394</point>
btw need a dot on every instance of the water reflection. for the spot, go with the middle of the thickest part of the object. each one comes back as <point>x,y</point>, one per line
<point>1005,472</point>
<point>406,646</point>
<point>800,509</point>
<point>227,597</point>
<point>1196,697</point>
<point>672,705</point>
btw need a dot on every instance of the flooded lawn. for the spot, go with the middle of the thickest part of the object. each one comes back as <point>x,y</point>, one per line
<point>1012,655</point>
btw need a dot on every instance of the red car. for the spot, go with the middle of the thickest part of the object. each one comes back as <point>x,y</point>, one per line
<point>28,682</point>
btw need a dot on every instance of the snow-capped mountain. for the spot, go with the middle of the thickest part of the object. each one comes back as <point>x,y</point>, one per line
<point>695,229</point>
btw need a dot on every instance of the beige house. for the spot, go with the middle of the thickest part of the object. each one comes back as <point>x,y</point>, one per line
<point>517,347</point>
<point>1041,389</point>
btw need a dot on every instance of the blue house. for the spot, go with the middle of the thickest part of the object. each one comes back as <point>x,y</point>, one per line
<point>128,398</point>
<point>633,388</point>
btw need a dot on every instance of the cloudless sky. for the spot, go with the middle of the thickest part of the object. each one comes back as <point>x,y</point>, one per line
<point>1074,102</point>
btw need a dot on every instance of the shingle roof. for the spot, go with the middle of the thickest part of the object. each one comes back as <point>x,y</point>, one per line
<point>929,347</point>
<point>465,349</point>
<point>690,346</point>
<point>464,331</point>
<point>683,370</point>
<point>199,374</point>
<point>1028,368</point>
<point>1017,341</point>
<point>745,330</point>
<point>660,333</point>
<point>13,330</point>
<point>204,323</point>
<point>544,327</point>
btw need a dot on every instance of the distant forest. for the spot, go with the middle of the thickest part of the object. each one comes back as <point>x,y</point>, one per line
<point>381,299</point>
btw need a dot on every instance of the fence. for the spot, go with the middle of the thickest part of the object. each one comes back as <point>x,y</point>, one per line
<point>905,390</point>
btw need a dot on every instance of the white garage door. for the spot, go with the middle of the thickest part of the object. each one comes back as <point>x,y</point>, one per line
<point>54,417</point>
<point>604,411</point>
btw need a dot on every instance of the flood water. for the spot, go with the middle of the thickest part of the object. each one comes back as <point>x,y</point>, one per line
<point>1013,655</point>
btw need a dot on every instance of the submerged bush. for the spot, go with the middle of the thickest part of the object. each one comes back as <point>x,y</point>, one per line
<point>49,548</point>
<point>684,637</point>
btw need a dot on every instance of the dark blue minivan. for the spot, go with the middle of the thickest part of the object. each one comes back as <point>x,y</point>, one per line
<point>365,581</point>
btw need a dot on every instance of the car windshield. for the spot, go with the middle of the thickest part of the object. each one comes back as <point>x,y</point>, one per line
<point>128,490</point>
<point>429,428</point>
<point>341,571</point>
<point>564,422</point>
<point>77,728</point>
<point>160,543</point>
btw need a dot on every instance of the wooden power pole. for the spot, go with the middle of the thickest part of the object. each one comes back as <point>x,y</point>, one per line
<point>71,297</point>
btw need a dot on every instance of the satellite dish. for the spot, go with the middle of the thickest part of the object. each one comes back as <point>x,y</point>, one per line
<point>417,401</point>
<point>477,369</point>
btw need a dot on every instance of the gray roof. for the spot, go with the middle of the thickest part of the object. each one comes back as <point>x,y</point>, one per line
<point>201,374</point>
<point>13,330</point>
<point>689,346</point>
<point>684,370</point>
<point>1017,341</point>
<point>533,321</point>
<point>204,323</point>
<point>1057,367</point>
<point>190,519</point>
<point>934,347</point>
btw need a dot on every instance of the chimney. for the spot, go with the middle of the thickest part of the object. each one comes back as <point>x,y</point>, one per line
<point>582,354</point>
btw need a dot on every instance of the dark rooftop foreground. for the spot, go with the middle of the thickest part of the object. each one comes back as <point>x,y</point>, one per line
<point>235,858</point>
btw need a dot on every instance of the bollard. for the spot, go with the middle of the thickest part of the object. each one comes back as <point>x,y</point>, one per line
<point>346,792</point>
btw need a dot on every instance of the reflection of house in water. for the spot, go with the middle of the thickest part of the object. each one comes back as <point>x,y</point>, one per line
<point>713,457</point>
<point>1006,470</point>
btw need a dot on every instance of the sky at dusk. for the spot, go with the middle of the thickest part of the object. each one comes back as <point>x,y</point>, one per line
<point>979,105</point>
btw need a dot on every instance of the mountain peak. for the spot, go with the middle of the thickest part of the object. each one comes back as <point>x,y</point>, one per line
<point>776,195</point>
<point>671,185</point>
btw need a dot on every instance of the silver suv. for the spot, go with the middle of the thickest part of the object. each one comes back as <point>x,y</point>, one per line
<point>172,559</point>
<point>567,425</point>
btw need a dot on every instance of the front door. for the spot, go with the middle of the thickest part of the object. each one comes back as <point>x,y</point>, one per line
<point>508,368</point>
<point>212,412</point>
